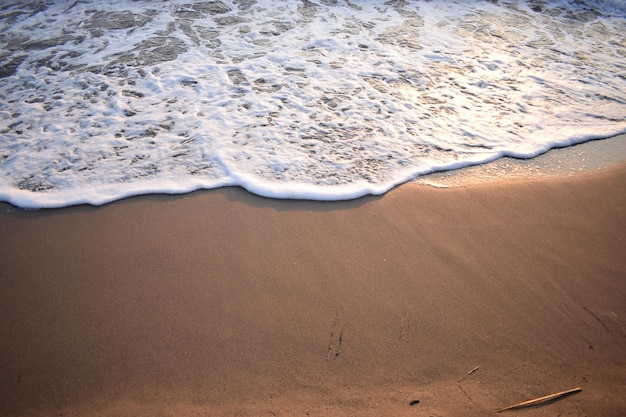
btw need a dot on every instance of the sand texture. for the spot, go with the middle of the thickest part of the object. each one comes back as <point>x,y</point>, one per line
<point>224,303</point>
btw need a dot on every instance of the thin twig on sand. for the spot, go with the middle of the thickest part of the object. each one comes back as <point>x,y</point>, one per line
<point>540,400</point>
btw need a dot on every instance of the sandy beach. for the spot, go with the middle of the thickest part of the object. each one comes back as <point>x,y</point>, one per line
<point>223,303</point>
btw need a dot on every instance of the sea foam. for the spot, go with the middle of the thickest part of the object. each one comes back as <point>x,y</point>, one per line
<point>319,100</point>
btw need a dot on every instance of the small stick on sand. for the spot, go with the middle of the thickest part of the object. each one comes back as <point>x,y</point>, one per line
<point>539,400</point>
<point>473,370</point>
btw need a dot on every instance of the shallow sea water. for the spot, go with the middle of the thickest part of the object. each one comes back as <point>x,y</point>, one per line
<point>320,100</point>
<point>586,157</point>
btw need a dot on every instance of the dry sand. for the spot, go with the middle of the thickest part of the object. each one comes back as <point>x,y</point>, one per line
<point>224,303</point>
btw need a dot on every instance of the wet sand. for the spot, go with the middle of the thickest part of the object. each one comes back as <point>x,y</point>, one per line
<point>223,303</point>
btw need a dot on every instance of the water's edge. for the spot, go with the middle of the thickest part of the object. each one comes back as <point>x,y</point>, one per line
<point>572,160</point>
<point>580,159</point>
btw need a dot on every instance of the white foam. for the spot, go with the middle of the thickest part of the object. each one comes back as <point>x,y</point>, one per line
<point>294,99</point>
